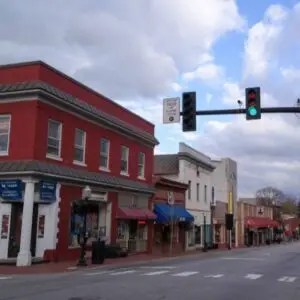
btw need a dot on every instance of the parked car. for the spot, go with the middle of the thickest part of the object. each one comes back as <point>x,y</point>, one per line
<point>115,251</point>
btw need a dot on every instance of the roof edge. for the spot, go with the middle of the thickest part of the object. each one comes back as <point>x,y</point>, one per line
<point>68,77</point>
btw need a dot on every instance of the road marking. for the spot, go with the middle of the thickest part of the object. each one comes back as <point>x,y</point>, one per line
<point>123,272</point>
<point>214,276</point>
<point>155,273</point>
<point>96,273</point>
<point>185,274</point>
<point>243,258</point>
<point>287,279</point>
<point>253,276</point>
<point>72,268</point>
<point>5,278</point>
<point>158,267</point>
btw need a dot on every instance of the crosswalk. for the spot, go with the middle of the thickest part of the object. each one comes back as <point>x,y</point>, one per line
<point>5,277</point>
<point>186,274</point>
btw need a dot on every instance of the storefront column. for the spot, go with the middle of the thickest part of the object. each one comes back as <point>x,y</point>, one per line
<point>24,256</point>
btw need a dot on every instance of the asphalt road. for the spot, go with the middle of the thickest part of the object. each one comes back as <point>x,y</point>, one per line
<point>266,273</point>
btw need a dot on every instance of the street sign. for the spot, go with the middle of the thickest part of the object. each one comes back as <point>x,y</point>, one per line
<point>171,110</point>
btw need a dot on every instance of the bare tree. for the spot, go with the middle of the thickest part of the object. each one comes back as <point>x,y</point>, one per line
<point>268,196</point>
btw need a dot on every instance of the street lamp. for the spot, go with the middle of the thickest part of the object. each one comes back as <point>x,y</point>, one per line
<point>81,209</point>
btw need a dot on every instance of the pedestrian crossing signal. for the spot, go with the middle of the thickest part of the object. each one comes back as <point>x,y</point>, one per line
<point>253,108</point>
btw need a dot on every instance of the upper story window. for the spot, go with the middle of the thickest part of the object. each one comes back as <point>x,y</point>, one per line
<point>4,134</point>
<point>54,138</point>
<point>79,145</point>
<point>124,160</point>
<point>104,154</point>
<point>205,193</point>
<point>141,165</point>
<point>198,191</point>
<point>189,190</point>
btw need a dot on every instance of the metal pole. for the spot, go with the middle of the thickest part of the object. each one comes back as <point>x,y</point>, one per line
<point>204,234</point>
<point>171,234</point>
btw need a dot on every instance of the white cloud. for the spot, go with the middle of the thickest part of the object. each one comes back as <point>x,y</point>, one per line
<point>132,49</point>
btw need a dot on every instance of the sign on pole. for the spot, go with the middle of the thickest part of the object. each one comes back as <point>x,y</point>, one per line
<point>171,113</point>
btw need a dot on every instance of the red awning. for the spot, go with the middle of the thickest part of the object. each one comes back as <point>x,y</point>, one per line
<point>135,213</point>
<point>261,222</point>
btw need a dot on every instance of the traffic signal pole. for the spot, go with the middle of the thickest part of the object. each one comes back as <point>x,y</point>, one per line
<point>237,111</point>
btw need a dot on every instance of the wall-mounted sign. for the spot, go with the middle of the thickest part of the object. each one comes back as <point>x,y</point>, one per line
<point>11,189</point>
<point>4,226</point>
<point>47,191</point>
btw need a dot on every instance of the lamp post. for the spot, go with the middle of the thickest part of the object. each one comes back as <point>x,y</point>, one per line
<point>204,233</point>
<point>82,210</point>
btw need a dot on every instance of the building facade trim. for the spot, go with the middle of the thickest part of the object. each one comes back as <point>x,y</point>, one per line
<point>195,161</point>
<point>38,89</point>
<point>38,168</point>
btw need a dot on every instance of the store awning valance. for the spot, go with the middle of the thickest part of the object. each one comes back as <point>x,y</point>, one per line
<point>166,213</point>
<point>135,214</point>
<point>260,222</point>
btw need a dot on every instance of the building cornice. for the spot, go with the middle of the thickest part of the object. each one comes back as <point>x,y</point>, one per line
<point>39,89</point>
<point>192,159</point>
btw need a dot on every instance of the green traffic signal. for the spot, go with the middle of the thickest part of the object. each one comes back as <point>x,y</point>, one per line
<point>252,111</point>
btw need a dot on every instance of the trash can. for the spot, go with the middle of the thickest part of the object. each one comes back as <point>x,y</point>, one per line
<point>98,252</point>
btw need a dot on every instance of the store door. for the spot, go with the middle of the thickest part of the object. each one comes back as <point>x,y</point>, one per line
<point>15,230</point>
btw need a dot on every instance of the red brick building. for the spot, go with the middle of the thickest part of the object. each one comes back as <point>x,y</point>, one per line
<point>56,137</point>
<point>173,220</point>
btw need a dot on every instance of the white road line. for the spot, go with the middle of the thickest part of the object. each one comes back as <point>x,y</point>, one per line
<point>287,279</point>
<point>157,267</point>
<point>214,276</point>
<point>5,278</point>
<point>156,273</point>
<point>253,276</point>
<point>96,273</point>
<point>185,274</point>
<point>243,258</point>
<point>123,272</point>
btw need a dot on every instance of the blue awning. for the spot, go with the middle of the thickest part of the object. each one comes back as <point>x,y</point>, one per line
<point>166,213</point>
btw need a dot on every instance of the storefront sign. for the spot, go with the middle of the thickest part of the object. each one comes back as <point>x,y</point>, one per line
<point>4,226</point>
<point>47,191</point>
<point>41,226</point>
<point>11,189</point>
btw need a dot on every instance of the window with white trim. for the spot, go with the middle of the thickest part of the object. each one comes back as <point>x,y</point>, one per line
<point>124,159</point>
<point>79,145</point>
<point>104,154</point>
<point>141,165</point>
<point>54,138</point>
<point>4,134</point>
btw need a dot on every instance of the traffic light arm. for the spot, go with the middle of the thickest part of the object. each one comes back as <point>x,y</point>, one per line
<point>270,110</point>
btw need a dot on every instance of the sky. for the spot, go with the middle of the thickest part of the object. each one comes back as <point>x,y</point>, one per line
<point>139,52</point>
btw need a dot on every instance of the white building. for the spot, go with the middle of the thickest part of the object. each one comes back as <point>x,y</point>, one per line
<point>193,168</point>
<point>224,180</point>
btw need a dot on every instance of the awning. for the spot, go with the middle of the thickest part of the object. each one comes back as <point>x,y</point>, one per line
<point>260,222</point>
<point>135,213</point>
<point>166,213</point>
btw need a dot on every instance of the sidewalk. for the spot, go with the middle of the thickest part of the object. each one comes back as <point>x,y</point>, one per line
<point>70,266</point>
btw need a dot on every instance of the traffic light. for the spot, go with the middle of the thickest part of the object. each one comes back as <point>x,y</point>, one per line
<point>189,111</point>
<point>253,109</point>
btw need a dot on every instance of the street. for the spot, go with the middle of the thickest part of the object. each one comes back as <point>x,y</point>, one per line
<point>257,273</point>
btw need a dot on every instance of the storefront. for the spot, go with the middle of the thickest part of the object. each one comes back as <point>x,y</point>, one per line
<point>98,220</point>
<point>171,224</point>
<point>134,222</point>
<point>28,214</point>
<point>259,230</point>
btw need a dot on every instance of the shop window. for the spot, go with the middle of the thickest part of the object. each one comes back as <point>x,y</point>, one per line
<point>121,230</point>
<point>124,160</point>
<point>141,165</point>
<point>104,154</point>
<point>191,237</point>
<point>54,139</point>
<point>92,226</point>
<point>79,145</point>
<point>4,134</point>
<point>197,235</point>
